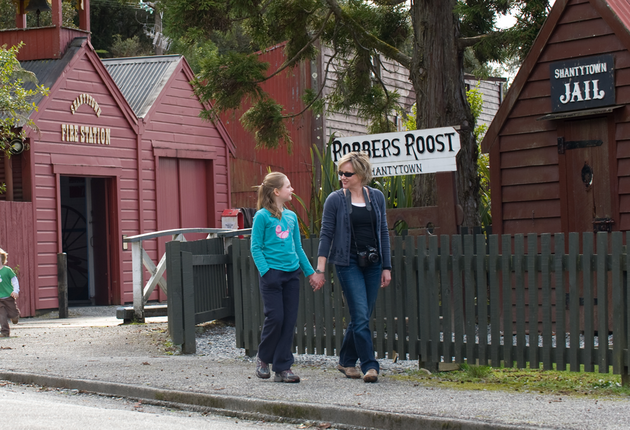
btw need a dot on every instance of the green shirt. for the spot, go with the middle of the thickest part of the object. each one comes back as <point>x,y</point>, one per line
<point>6,287</point>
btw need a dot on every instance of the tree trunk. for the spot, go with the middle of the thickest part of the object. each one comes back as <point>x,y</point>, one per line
<point>437,75</point>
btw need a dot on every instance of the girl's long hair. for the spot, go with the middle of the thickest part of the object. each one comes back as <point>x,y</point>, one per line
<point>266,199</point>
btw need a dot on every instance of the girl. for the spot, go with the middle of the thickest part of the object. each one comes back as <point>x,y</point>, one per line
<point>277,252</point>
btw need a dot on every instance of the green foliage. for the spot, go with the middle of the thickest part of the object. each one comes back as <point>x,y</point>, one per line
<point>196,18</point>
<point>16,102</point>
<point>476,372</point>
<point>109,18</point>
<point>471,377</point>
<point>265,120</point>
<point>398,190</point>
<point>357,34</point>
<point>326,175</point>
<point>228,80</point>
<point>475,99</point>
<point>128,47</point>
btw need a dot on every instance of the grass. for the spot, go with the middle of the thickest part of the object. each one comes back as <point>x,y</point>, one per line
<point>553,382</point>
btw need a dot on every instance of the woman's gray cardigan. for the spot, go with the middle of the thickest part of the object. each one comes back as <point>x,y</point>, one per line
<point>335,233</point>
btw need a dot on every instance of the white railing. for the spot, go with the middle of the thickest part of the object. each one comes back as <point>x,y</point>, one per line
<point>139,257</point>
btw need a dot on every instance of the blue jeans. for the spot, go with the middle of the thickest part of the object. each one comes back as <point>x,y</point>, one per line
<point>360,287</point>
<point>280,293</point>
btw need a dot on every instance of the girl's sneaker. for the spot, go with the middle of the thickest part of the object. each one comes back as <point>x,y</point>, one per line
<point>262,369</point>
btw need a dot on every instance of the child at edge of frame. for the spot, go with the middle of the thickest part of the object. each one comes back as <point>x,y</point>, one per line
<point>276,248</point>
<point>9,293</point>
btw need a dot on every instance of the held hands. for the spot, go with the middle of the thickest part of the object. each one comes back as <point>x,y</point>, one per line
<point>317,280</point>
<point>386,278</point>
<point>15,295</point>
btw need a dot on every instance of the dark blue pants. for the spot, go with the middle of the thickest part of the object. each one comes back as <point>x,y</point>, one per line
<point>360,286</point>
<point>280,292</point>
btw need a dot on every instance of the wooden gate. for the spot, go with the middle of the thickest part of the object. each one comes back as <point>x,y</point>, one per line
<point>199,287</point>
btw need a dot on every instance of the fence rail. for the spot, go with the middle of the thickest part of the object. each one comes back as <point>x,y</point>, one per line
<point>140,258</point>
<point>539,301</point>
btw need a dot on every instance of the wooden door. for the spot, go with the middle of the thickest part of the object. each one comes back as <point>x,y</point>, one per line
<point>586,152</point>
<point>184,196</point>
<point>100,243</point>
<point>588,176</point>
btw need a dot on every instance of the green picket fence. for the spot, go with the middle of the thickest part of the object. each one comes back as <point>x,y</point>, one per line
<point>535,300</point>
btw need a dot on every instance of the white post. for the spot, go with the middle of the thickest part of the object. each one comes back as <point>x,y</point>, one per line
<point>138,297</point>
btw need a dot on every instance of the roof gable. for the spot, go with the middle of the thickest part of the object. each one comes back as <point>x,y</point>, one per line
<point>142,79</point>
<point>51,73</point>
<point>616,13</point>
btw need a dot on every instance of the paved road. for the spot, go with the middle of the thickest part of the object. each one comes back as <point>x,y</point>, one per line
<point>95,354</point>
<point>31,408</point>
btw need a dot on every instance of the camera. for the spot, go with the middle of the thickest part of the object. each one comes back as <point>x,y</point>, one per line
<point>367,257</point>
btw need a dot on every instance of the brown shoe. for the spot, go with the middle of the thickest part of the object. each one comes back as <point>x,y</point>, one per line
<point>370,376</point>
<point>350,372</point>
<point>15,320</point>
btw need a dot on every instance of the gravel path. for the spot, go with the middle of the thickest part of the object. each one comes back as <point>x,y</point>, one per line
<point>218,342</point>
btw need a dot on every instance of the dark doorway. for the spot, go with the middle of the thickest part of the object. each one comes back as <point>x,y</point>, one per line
<point>84,228</point>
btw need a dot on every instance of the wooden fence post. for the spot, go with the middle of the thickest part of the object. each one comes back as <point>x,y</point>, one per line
<point>188,304</point>
<point>174,297</point>
<point>62,284</point>
<point>136,269</point>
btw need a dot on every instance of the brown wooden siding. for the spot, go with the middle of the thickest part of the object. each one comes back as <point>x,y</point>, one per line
<point>531,169</point>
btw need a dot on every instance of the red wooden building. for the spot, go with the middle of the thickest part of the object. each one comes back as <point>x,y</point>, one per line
<point>560,142</point>
<point>117,153</point>
<point>249,165</point>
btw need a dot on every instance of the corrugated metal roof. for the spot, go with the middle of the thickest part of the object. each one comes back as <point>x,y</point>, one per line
<point>141,79</point>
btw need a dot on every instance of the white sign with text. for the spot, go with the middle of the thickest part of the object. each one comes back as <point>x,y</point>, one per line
<point>404,153</point>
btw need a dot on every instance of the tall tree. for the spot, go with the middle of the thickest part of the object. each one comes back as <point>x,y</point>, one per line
<point>427,37</point>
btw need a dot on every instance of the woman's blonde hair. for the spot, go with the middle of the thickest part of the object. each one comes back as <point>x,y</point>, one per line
<point>361,163</point>
<point>273,181</point>
<point>4,256</point>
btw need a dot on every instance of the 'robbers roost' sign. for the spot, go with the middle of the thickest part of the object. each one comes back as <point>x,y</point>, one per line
<point>582,83</point>
<point>404,153</point>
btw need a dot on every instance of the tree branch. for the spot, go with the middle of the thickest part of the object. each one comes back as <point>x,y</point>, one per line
<point>465,42</point>
<point>389,2</point>
<point>374,42</point>
<point>297,56</point>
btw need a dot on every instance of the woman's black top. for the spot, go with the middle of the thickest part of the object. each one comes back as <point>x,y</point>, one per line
<point>363,234</point>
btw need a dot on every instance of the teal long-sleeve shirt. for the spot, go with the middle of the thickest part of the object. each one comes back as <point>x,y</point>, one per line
<point>276,243</point>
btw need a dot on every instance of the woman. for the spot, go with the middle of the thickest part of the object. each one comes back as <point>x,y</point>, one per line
<point>354,237</point>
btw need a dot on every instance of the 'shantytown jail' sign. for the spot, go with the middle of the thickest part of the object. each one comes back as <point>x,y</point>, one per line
<point>582,83</point>
<point>404,153</point>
